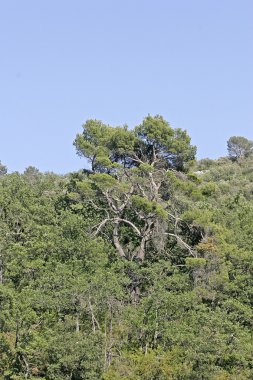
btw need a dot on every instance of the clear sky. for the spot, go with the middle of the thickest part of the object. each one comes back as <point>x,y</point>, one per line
<point>64,61</point>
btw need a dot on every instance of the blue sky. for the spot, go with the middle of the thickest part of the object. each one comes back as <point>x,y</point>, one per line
<point>63,62</point>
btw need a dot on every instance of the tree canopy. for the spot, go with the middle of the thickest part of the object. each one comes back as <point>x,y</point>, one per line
<point>139,267</point>
<point>239,147</point>
<point>153,142</point>
<point>3,169</point>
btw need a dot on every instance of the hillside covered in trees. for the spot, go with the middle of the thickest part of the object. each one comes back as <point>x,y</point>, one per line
<point>137,267</point>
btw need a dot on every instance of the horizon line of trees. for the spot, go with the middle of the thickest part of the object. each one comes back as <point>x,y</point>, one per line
<point>237,146</point>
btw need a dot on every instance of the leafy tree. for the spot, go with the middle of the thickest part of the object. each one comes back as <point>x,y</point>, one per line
<point>153,142</point>
<point>3,169</point>
<point>239,147</point>
<point>159,144</point>
<point>130,170</point>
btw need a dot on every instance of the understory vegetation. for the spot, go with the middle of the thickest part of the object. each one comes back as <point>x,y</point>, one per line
<point>138,267</point>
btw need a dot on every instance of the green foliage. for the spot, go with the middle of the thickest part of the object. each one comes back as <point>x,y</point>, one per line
<point>134,270</point>
<point>147,206</point>
<point>239,147</point>
<point>153,142</point>
<point>3,169</point>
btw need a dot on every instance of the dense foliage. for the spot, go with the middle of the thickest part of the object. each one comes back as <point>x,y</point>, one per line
<point>140,268</point>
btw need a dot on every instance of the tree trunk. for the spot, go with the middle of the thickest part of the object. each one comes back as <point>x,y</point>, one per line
<point>116,241</point>
<point>141,251</point>
<point>145,238</point>
<point>1,270</point>
<point>77,323</point>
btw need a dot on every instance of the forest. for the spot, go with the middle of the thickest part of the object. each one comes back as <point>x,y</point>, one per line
<point>137,267</point>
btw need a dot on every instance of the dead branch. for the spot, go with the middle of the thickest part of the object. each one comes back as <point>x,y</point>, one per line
<point>183,244</point>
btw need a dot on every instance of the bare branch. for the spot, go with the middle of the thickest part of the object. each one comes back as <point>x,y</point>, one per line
<point>137,159</point>
<point>100,225</point>
<point>182,243</point>
<point>142,191</point>
<point>127,198</point>
<point>130,223</point>
<point>110,202</point>
<point>93,318</point>
<point>155,188</point>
